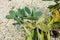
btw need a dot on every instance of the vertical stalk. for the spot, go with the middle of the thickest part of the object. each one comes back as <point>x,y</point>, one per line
<point>48,35</point>
<point>29,37</point>
<point>40,35</point>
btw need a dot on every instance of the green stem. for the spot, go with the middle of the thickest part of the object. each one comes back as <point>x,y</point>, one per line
<point>42,35</point>
<point>51,22</point>
<point>48,35</point>
<point>29,38</point>
<point>38,34</point>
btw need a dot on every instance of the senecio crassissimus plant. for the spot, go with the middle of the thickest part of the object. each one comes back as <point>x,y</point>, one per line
<point>34,27</point>
<point>27,17</point>
<point>32,24</point>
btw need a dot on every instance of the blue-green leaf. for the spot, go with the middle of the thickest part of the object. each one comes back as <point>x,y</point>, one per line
<point>27,10</point>
<point>12,13</point>
<point>9,17</point>
<point>18,14</point>
<point>37,14</point>
<point>23,12</point>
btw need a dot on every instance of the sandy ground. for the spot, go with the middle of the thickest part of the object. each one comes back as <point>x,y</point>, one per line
<point>7,30</point>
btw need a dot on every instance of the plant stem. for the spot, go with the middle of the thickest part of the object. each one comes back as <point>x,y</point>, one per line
<point>42,34</point>
<point>29,38</point>
<point>48,35</point>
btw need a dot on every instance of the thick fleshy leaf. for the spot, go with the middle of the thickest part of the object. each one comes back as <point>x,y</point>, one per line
<point>29,16</point>
<point>12,13</point>
<point>34,10</point>
<point>9,17</point>
<point>23,12</point>
<point>27,10</point>
<point>18,14</point>
<point>19,10</point>
<point>37,14</point>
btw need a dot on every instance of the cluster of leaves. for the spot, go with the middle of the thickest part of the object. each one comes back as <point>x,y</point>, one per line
<point>56,1</point>
<point>56,25</point>
<point>24,13</point>
<point>33,15</point>
<point>53,8</point>
<point>56,6</point>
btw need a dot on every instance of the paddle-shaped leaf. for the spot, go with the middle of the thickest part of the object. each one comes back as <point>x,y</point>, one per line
<point>18,14</point>
<point>23,12</point>
<point>37,14</point>
<point>27,10</point>
<point>9,17</point>
<point>12,13</point>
